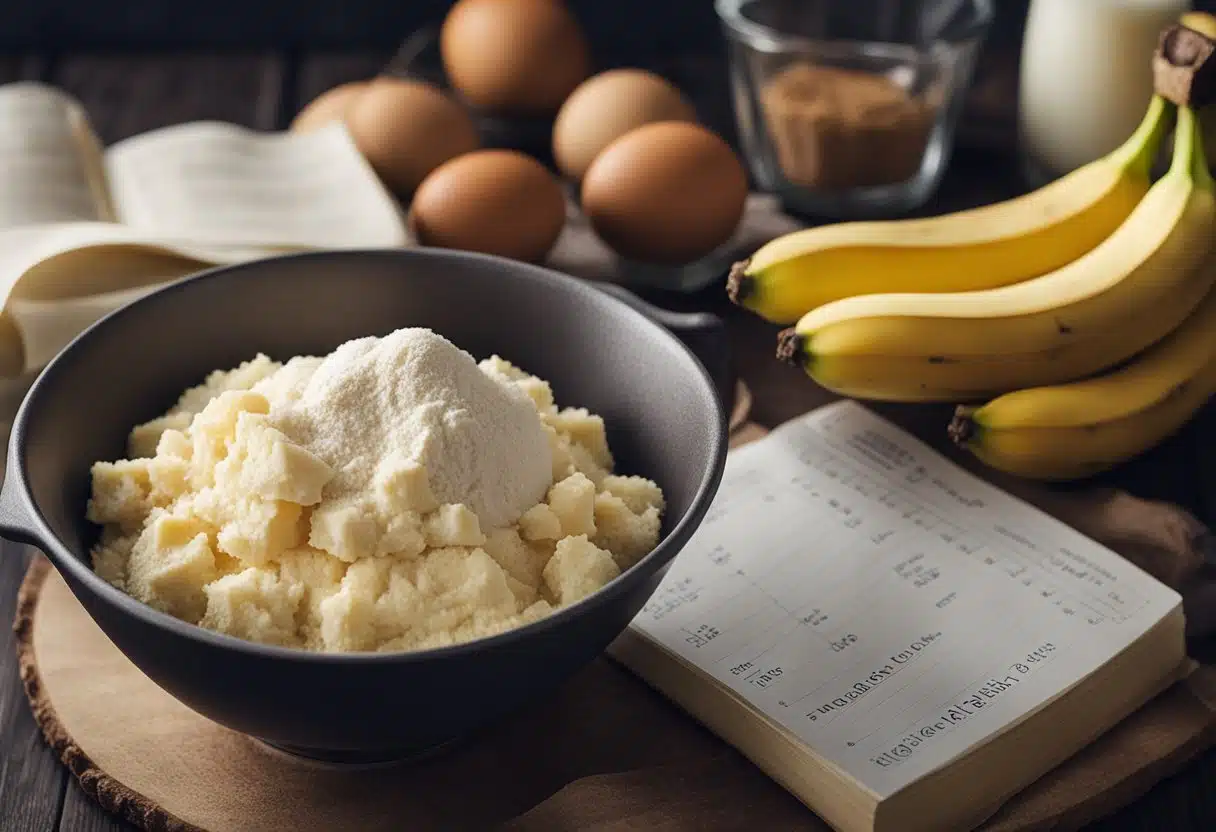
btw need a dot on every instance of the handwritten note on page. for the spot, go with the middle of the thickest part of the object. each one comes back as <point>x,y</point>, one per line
<point>883,605</point>
<point>45,164</point>
<point>214,182</point>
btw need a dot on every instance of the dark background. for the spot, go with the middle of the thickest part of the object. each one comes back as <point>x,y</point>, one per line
<point>627,26</point>
<point>679,38</point>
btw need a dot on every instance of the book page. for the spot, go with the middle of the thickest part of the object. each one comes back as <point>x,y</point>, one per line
<point>58,278</point>
<point>49,162</point>
<point>214,182</point>
<point>74,259</point>
<point>884,606</point>
<point>46,327</point>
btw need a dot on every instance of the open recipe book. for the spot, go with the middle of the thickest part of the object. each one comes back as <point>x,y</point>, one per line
<point>84,230</point>
<point>901,645</point>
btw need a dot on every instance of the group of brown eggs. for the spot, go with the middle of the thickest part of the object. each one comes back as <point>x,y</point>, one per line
<point>655,185</point>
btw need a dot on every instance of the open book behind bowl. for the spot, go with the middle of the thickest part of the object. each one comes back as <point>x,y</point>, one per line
<point>84,230</point>
<point>200,182</point>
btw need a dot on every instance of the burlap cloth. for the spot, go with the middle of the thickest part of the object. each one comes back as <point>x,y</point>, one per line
<point>604,753</point>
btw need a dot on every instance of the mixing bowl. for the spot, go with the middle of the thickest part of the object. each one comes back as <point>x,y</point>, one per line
<point>664,421</point>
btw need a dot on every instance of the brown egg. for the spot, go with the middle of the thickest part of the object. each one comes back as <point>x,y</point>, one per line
<point>515,57</point>
<point>406,129</point>
<point>494,201</point>
<point>606,107</point>
<point>665,193</point>
<point>329,106</point>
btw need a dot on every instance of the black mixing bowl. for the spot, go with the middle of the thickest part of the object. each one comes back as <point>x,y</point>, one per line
<point>664,418</point>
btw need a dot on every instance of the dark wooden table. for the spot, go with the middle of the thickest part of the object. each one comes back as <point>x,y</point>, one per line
<point>128,94</point>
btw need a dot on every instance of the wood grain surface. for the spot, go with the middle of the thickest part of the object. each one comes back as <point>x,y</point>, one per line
<point>127,94</point>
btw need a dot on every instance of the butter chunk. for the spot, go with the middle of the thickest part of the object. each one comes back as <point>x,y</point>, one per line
<point>585,429</point>
<point>454,524</point>
<point>501,366</point>
<point>145,439</point>
<point>255,604</point>
<point>521,561</point>
<point>175,443</point>
<point>559,446</point>
<point>525,594</point>
<point>450,595</point>
<point>316,570</point>
<point>111,554</point>
<point>577,569</point>
<point>287,384</point>
<point>173,530</point>
<point>120,493</point>
<point>403,535</point>
<point>540,523</point>
<point>535,612</point>
<point>539,392</point>
<point>638,493</point>
<point>461,583</point>
<point>537,389</point>
<point>168,479</point>
<point>168,568</point>
<point>582,462</point>
<point>629,536</point>
<point>346,530</point>
<point>215,428</point>
<point>403,611</point>
<point>573,502</point>
<point>320,575</point>
<point>402,485</point>
<point>263,461</point>
<point>348,616</point>
<point>242,377</point>
<point>257,531</point>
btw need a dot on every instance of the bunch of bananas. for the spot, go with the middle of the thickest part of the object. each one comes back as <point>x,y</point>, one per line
<point>1076,324</point>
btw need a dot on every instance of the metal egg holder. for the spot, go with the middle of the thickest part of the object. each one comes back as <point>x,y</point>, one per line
<point>418,59</point>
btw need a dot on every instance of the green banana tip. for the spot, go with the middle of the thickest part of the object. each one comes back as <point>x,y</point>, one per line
<point>962,428</point>
<point>792,347</point>
<point>739,284</point>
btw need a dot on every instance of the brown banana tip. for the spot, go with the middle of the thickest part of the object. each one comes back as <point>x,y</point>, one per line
<point>791,347</point>
<point>739,284</point>
<point>962,426</point>
<point>1183,46</point>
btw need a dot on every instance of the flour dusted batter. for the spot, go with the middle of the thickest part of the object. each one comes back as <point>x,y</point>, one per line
<point>393,495</point>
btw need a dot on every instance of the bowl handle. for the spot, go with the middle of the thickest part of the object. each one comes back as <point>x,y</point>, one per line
<point>15,522</point>
<point>702,332</point>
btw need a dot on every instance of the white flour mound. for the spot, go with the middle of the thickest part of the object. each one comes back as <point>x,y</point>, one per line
<point>414,395</point>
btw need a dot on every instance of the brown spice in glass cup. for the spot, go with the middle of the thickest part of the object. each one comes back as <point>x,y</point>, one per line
<point>836,128</point>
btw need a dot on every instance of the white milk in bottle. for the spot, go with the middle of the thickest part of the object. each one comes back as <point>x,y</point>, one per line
<point>1086,77</point>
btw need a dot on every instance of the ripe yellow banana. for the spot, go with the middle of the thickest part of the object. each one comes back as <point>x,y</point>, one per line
<point>1081,319</point>
<point>981,248</point>
<point>921,379</point>
<point>1075,430</point>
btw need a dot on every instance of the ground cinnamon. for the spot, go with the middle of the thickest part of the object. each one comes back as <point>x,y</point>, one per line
<point>836,128</point>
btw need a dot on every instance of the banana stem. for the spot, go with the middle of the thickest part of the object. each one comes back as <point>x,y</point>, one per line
<point>1139,151</point>
<point>791,347</point>
<point>962,428</point>
<point>740,285</point>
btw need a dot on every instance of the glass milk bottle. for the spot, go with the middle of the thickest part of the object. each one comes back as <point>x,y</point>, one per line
<point>1086,78</point>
